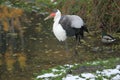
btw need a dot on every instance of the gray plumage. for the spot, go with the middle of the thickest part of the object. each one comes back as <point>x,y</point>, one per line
<point>73,25</point>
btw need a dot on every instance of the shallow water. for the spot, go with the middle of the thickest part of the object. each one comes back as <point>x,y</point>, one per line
<point>42,51</point>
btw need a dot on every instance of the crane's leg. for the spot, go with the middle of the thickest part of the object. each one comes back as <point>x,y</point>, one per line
<point>66,46</point>
<point>77,42</point>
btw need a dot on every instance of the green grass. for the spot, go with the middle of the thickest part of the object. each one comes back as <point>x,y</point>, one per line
<point>63,70</point>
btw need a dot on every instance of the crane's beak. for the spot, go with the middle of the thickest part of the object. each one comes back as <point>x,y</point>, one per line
<point>50,16</point>
<point>47,18</point>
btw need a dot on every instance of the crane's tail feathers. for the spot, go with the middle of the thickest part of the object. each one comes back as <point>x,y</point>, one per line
<point>85,28</point>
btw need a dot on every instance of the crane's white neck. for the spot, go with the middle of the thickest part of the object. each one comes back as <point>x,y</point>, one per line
<point>57,16</point>
<point>58,30</point>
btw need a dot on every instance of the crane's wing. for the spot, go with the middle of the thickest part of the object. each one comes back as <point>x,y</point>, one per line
<point>66,24</point>
<point>73,24</point>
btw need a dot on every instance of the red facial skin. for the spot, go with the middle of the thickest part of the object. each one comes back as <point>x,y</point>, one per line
<point>52,14</point>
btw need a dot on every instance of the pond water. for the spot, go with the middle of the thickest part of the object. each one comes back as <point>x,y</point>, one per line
<point>42,51</point>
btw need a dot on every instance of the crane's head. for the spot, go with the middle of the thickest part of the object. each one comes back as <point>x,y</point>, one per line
<point>53,14</point>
